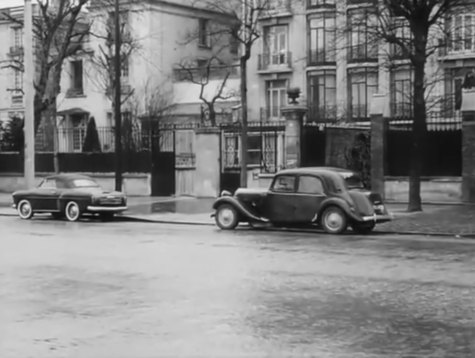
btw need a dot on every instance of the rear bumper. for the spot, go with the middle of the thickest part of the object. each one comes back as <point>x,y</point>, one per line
<point>376,218</point>
<point>106,209</point>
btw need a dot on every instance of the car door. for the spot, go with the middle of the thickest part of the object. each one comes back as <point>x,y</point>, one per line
<point>47,195</point>
<point>310,194</point>
<point>280,200</point>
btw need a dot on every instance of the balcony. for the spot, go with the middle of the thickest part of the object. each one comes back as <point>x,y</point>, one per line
<point>275,62</point>
<point>16,51</point>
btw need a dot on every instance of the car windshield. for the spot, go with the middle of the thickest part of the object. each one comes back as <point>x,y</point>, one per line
<point>84,183</point>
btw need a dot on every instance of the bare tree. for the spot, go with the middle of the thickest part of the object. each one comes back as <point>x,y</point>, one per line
<point>203,75</point>
<point>414,30</point>
<point>59,28</point>
<point>245,30</point>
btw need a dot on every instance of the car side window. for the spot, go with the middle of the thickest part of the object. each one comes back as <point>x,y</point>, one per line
<point>284,184</point>
<point>61,184</point>
<point>310,185</point>
<point>48,184</point>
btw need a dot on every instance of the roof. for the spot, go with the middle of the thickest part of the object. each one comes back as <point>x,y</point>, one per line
<point>68,176</point>
<point>316,170</point>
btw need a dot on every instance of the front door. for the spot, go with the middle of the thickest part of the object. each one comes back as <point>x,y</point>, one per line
<point>280,204</point>
<point>47,196</point>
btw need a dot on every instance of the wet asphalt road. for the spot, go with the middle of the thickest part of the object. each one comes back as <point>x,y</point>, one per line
<point>124,289</point>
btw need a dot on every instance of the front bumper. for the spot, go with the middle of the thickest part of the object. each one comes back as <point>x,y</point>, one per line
<point>106,209</point>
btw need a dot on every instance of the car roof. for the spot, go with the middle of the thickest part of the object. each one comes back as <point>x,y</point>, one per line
<point>316,170</point>
<point>68,176</point>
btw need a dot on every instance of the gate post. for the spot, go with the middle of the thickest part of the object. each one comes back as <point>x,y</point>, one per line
<point>379,134</point>
<point>293,115</point>
<point>468,145</point>
<point>207,162</point>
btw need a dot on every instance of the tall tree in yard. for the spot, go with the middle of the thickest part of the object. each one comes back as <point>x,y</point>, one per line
<point>245,31</point>
<point>59,27</point>
<point>423,20</point>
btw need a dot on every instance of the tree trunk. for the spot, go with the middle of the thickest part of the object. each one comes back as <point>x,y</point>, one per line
<point>418,138</point>
<point>212,115</point>
<point>243,67</point>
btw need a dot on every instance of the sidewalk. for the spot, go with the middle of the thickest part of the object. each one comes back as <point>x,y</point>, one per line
<point>436,219</point>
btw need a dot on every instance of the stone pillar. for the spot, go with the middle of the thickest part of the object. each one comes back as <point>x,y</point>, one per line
<point>293,115</point>
<point>379,132</point>
<point>468,145</point>
<point>207,150</point>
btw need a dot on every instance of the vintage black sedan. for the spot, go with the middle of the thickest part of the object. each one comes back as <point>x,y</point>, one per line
<point>70,196</point>
<point>331,198</point>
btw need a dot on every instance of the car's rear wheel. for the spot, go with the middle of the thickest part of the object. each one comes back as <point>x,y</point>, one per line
<point>25,210</point>
<point>226,217</point>
<point>363,228</point>
<point>334,220</point>
<point>72,211</point>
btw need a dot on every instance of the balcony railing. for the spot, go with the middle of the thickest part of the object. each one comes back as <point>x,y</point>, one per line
<point>359,112</point>
<point>321,57</point>
<point>362,53</point>
<point>270,113</point>
<point>215,72</point>
<point>325,113</point>
<point>274,61</point>
<point>74,92</point>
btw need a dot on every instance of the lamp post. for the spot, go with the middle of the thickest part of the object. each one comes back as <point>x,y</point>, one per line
<point>29,123</point>
<point>117,99</point>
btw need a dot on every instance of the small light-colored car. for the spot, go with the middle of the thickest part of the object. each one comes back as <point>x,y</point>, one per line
<point>331,198</point>
<point>70,196</point>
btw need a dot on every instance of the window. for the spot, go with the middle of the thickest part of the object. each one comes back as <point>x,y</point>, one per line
<point>124,66</point>
<point>17,80</point>
<point>362,46</point>
<point>310,185</point>
<point>320,3</point>
<point>401,93</point>
<point>276,94</point>
<point>275,45</point>
<point>461,29</point>
<point>363,83</point>
<point>284,183</point>
<point>254,147</point>
<point>402,32</point>
<point>17,38</point>
<point>76,77</point>
<point>322,95</point>
<point>322,39</point>
<point>203,33</point>
<point>48,184</point>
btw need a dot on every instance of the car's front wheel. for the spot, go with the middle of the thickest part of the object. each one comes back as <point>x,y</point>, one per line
<point>226,217</point>
<point>334,220</point>
<point>25,210</point>
<point>72,211</point>
<point>363,228</point>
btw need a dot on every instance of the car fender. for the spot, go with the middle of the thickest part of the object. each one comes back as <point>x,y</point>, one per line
<point>82,200</point>
<point>342,204</point>
<point>243,212</point>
